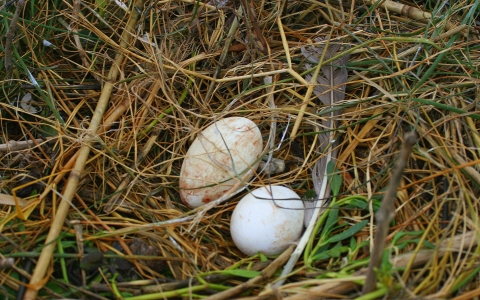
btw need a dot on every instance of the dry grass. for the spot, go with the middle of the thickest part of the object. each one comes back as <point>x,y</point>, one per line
<point>118,99</point>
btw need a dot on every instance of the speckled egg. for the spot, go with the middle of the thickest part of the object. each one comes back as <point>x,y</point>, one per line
<point>222,158</point>
<point>267,220</point>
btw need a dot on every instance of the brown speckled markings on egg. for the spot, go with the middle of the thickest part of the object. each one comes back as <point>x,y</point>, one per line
<point>208,170</point>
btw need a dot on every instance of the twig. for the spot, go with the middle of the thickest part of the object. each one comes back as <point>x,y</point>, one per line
<point>410,12</point>
<point>252,23</point>
<point>386,212</point>
<point>20,145</point>
<point>37,280</point>
<point>11,35</point>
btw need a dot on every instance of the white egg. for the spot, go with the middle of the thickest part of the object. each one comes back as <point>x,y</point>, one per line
<point>223,157</point>
<point>267,220</point>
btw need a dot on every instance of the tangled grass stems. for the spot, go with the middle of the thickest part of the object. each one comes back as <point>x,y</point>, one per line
<point>415,72</point>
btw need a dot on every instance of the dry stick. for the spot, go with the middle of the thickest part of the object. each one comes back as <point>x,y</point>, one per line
<point>251,22</point>
<point>386,213</point>
<point>81,51</point>
<point>409,11</point>
<point>38,280</point>
<point>11,35</point>
<point>264,275</point>
<point>20,145</point>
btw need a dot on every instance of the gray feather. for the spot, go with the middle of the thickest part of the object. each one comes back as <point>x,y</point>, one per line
<point>330,89</point>
<point>331,84</point>
<point>333,75</point>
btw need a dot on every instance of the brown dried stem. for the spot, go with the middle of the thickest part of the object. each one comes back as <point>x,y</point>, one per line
<point>37,280</point>
<point>387,212</point>
<point>11,35</point>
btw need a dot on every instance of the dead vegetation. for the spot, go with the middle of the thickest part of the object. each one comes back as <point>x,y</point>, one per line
<point>90,161</point>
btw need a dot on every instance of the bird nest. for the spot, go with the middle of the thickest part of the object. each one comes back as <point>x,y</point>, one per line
<point>102,99</point>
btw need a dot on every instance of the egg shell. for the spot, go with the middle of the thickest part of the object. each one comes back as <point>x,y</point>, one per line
<point>227,147</point>
<point>260,224</point>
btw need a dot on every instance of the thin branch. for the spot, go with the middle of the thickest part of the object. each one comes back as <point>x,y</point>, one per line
<point>11,35</point>
<point>386,212</point>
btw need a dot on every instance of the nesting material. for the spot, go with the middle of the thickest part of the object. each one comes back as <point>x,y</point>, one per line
<point>129,82</point>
